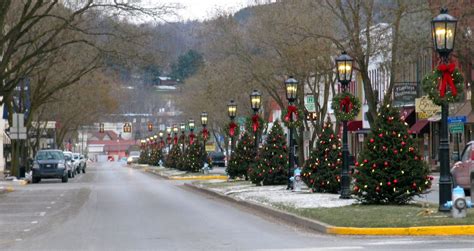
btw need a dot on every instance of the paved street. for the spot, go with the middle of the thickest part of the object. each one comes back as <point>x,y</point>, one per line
<point>117,208</point>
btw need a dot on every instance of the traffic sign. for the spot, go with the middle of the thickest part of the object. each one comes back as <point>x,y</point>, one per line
<point>456,127</point>
<point>457,119</point>
<point>309,103</point>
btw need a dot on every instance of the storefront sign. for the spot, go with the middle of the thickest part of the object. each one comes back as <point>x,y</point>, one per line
<point>425,108</point>
<point>404,94</point>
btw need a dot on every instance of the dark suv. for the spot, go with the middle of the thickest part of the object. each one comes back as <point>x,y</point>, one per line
<point>217,159</point>
<point>49,164</point>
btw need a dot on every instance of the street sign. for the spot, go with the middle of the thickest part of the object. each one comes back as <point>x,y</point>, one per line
<point>18,130</point>
<point>457,119</point>
<point>456,127</point>
<point>309,103</point>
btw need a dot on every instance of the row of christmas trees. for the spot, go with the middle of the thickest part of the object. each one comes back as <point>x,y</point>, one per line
<point>191,160</point>
<point>389,169</point>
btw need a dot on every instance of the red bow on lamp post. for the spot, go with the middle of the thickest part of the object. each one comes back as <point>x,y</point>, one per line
<point>255,123</point>
<point>346,104</point>
<point>232,127</point>
<point>191,138</point>
<point>205,133</point>
<point>291,110</point>
<point>446,70</point>
<point>175,140</point>
<point>162,144</point>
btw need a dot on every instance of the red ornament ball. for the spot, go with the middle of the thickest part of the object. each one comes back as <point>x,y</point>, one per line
<point>389,183</point>
<point>381,135</point>
<point>395,181</point>
<point>365,161</point>
<point>372,140</point>
<point>356,189</point>
<point>403,143</point>
<point>385,163</point>
<point>395,151</point>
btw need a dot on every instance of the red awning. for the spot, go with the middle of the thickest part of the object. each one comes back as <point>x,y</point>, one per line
<point>354,125</point>
<point>406,112</point>
<point>419,126</point>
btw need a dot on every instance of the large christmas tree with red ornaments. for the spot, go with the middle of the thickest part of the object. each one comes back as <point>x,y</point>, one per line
<point>390,169</point>
<point>271,167</point>
<point>242,157</point>
<point>322,171</point>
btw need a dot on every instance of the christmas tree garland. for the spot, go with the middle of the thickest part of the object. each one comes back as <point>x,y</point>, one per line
<point>443,78</point>
<point>346,106</point>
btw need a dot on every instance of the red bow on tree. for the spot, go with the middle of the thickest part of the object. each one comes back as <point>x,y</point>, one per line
<point>205,133</point>
<point>232,127</point>
<point>446,70</point>
<point>255,122</point>
<point>191,138</point>
<point>346,104</point>
<point>291,110</point>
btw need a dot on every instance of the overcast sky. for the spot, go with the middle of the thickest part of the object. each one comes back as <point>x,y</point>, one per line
<point>204,9</point>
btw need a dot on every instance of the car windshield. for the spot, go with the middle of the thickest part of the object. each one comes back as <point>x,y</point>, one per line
<point>49,155</point>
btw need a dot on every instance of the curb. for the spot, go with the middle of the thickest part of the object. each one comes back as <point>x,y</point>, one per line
<point>275,213</point>
<point>322,227</point>
<point>209,177</point>
<point>7,189</point>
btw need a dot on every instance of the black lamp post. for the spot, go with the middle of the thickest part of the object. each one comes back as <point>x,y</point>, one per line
<point>182,126</point>
<point>168,139</point>
<point>205,133</point>
<point>255,104</point>
<point>232,112</point>
<point>344,75</point>
<point>444,31</point>
<point>291,86</point>
<point>191,125</point>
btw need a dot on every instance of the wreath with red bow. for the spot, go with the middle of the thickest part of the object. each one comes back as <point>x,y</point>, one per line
<point>298,115</point>
<point>232,129</point>
<point>346,106</point>
<point>445,84</point>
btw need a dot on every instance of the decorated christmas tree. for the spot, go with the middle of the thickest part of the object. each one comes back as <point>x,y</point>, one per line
<point>143,159</point>
<point>174,157</point>
<point>272,163</point>
<point>322,171</point>
<point>194,157</point>
<point>155,156</point>
<point>243,156</point>
<point>390,169</point>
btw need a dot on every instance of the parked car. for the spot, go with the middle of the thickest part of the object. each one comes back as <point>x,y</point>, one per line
<point>463,170</point>
<point>49,164</point>
<point>217,159</point>
<point>71,171</point>
<point>77,163</point>
<point>133,157</point>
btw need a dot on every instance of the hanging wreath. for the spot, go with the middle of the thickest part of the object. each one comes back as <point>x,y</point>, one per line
<point>228,130</point>
<point>444,84</point>
<point>346,106</point>
<point>297,119</point>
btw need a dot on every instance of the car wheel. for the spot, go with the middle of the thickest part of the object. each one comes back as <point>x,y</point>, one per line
<point>78,171</point>
<point>84,170</point>
<point>69,174</point>
<point>73,174</point>
<point>36,180</point>
<point>64,179</point>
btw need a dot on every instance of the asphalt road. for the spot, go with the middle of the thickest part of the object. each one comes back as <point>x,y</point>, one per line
<point>113,207</point>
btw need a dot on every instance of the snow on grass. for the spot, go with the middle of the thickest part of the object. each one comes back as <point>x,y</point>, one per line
<point>278,195</point>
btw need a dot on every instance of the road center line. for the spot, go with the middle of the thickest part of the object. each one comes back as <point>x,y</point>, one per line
<point>34,222</point>
<point>42,214</point>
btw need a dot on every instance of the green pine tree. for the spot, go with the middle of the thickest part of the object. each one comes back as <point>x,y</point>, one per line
<point>155,156</point>
<point>174,157</point>
<point>390,169</point>
<point>195,157</point>
<point>242,158</point>
<point>271,167</point>
<point>143,159</point>
<point>322,171</point>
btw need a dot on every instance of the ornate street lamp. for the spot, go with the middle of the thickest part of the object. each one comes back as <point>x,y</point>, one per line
<point>155,141</point>
<point>205,132</point>
<point>444,32</point>
<point>168,139</point>
<point>255,103</point>
<point>182,126</point>
<point>291,85</point>
<point>127,128</point>
<point>101,128</point>
<point>344,75</point>
<point>191,125</point>
<point>232,112</point>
